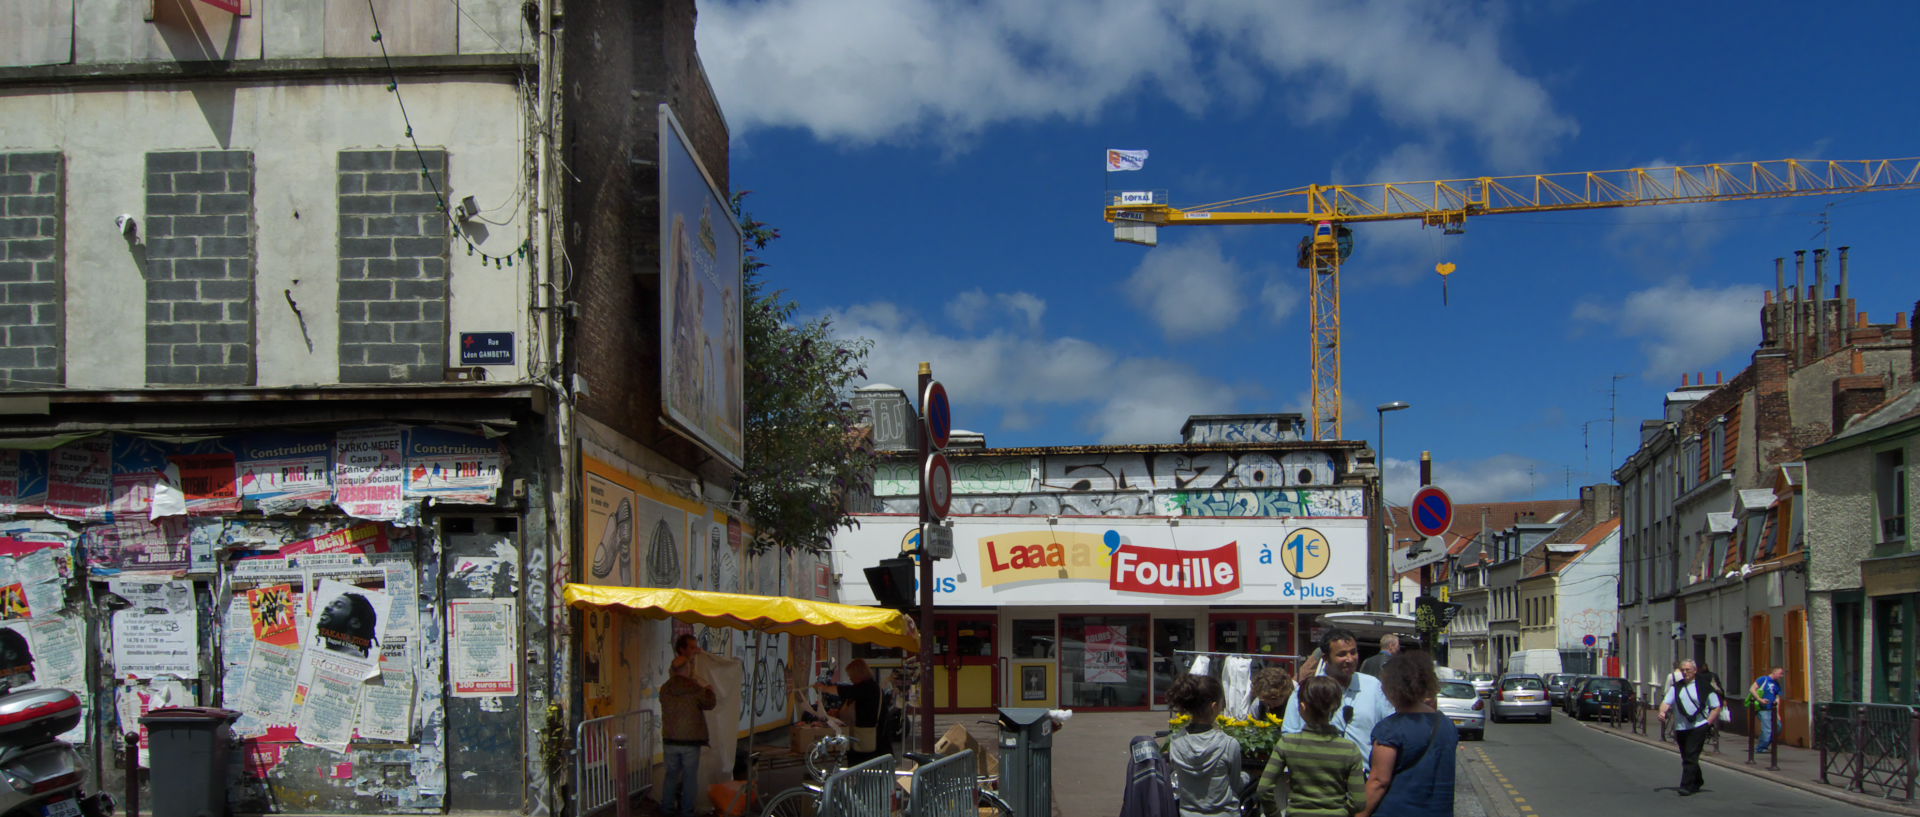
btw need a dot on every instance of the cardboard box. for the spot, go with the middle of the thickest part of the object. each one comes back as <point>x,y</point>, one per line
<point>802,736</point>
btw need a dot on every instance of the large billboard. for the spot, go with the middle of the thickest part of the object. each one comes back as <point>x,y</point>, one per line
<point>1004,560</point>
<point>701,352</point>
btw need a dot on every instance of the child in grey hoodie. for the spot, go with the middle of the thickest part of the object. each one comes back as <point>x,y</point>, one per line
<point>1207,774</point>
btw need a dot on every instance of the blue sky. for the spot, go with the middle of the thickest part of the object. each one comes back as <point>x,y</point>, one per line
<point>935,169</point>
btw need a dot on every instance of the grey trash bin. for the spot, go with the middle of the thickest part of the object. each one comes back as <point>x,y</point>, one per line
<point>187,749</point>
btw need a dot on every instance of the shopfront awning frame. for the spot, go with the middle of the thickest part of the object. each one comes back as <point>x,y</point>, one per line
<point>878,626</point>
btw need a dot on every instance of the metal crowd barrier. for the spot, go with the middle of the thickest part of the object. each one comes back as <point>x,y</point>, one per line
<point>945,788</point>
<point>865,790</point>
<point>598,782</point>
<point>1868,745</point>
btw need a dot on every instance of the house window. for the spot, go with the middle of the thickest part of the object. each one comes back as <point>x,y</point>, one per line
<point>1716,452</point>
<point>1890,494</point>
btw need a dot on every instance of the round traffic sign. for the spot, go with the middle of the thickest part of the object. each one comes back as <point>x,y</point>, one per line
<point>1431,511</point>
<point>938,479</point>
<point>938,415</point>
<point>1589,640</point>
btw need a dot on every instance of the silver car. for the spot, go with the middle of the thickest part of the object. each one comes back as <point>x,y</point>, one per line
<point>1482,683</point>
<point>1520,696</point>
<point>1458,700</point>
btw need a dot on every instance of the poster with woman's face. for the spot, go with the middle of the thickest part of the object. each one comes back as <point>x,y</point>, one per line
<point>348,624</point>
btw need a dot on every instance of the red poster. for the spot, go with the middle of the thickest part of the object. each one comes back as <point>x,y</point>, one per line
<point>1106,658</point>
<point>272,610</point>
<point>210,482</point>
<point>367,538</point>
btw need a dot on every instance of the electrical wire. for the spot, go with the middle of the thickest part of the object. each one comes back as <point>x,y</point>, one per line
<point>426,173</point>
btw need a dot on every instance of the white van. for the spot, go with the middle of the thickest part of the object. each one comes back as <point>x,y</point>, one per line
<point>1534,662</point>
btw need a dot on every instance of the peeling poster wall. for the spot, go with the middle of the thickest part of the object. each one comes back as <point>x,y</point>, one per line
<point>226,571</point>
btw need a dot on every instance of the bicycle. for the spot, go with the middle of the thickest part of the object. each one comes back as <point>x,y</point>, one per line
<point>827,756</point>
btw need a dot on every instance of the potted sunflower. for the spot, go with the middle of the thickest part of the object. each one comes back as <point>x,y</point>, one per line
<point>1255,735</point>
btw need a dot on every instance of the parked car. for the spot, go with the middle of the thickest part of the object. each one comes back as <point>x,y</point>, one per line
<point>1461,702</point>
<point>1571,694</point>
<point>1600,697</point>
<point>1557,684</point>
<point>1482,683</point>
<point>1520,696</point>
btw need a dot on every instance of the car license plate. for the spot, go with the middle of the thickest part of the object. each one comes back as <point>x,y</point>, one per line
<point>62,808</point>
<point>1529,698</point>
<point>1459,722</point>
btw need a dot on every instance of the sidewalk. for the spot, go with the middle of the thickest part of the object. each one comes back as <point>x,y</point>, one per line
<point>1799,768</point>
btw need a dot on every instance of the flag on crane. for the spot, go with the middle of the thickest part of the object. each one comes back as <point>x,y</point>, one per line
<point>1125,159</point>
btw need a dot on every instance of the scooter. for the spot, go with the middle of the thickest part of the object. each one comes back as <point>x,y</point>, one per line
<point>43,774</point>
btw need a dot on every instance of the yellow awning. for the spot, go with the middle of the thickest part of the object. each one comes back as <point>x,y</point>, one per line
<point>770,614</point>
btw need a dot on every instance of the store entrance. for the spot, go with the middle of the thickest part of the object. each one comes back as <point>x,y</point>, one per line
<point>966,674</point>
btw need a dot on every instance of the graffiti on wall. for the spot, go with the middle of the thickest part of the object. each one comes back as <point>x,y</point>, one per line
<point>1268,502</point>
<point>1250,430</point>
<point>1111,473</point>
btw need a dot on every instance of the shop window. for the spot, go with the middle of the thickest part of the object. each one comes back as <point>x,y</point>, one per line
<point>1846,650</point>
<point>1170,636</point>
<point>1104,661</point>
<point>1033,638</point>
<point>1890,497</point>
<point>1890,648</point>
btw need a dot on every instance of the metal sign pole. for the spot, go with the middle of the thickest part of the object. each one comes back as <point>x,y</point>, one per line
<point>926,574</point>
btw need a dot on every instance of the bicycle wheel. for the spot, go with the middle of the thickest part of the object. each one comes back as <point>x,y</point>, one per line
<point>798,801</point>
<point>990,799</point>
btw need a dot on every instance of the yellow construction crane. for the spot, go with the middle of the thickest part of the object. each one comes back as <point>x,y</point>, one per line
<point>1138,215</point>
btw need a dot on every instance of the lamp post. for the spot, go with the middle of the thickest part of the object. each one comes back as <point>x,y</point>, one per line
<point>1383,580</point>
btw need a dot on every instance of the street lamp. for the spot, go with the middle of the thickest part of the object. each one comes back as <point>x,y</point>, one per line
<point>1382,410</point>
<point>1383,579</point>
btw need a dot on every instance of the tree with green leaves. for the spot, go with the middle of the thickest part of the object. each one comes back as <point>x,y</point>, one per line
<point>806,450</point>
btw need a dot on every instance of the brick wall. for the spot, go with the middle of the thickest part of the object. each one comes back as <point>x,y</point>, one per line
<point>393,266</point>
<point>31,285</point>
<point>642,54</point>
<point>199,263</point>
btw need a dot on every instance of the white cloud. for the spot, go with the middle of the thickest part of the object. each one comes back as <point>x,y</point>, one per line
<point>1121,399</point>
<point>1189,290</point>
<point>1499,478</point>
<point>975,307</point>
<point>1280,298</point>
<point>864,72</point>
<point>1682,328</point>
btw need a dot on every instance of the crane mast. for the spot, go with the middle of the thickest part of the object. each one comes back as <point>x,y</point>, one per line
<point>1137,216</point>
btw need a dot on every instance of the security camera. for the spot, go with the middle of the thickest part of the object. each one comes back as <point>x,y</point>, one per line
<point>128,227</point>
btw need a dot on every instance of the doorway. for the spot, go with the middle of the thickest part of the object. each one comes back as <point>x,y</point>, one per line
<point>966,674</point>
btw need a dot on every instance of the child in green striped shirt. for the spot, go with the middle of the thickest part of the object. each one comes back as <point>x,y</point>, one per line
<point>1319,770</point>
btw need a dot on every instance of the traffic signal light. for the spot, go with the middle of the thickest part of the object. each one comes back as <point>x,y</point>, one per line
<point>892,582</point>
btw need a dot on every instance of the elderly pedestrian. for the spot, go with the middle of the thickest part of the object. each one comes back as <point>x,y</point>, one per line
<point>1693,705</point>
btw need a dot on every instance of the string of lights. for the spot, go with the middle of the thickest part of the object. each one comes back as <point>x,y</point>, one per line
<point>426,172</point>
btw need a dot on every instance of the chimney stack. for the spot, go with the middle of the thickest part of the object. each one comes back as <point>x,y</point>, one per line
<point>1843,278</point>
<point>1799,322</point>
<point>1819,303</point>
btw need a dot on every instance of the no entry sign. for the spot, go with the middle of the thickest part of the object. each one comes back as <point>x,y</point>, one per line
<point>1431,511</point>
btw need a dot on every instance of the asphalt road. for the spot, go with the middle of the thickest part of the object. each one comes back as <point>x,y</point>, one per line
<point>1563,768</point>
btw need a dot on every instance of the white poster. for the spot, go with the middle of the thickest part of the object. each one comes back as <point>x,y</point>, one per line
<point>268,695</point>
<point>150,645</point>
<point>328,702</point>
<point>480,652</point>
<point>369,473</point>
<point>347,625</point>
<point>1106,654</point>
<point>59,652</point>
<point>386,708</point>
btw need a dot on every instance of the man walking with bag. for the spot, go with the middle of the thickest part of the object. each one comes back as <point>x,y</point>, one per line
<point>1694,706</point>
<point>1765,697</point>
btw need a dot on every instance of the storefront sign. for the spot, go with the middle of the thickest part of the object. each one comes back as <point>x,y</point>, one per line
<point>1035,561</point>
<point>1890,576</point>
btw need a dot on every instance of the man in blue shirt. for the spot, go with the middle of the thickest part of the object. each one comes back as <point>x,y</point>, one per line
<point>1363,702</point>
<point>1766,691</point>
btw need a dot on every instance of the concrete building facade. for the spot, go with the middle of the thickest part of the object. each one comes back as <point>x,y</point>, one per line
<point>298,304</point>
<point>1695,582</point>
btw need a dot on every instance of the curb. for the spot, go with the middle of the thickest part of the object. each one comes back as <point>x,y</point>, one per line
<point>1490,791</point>
<point>1813,786</point>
